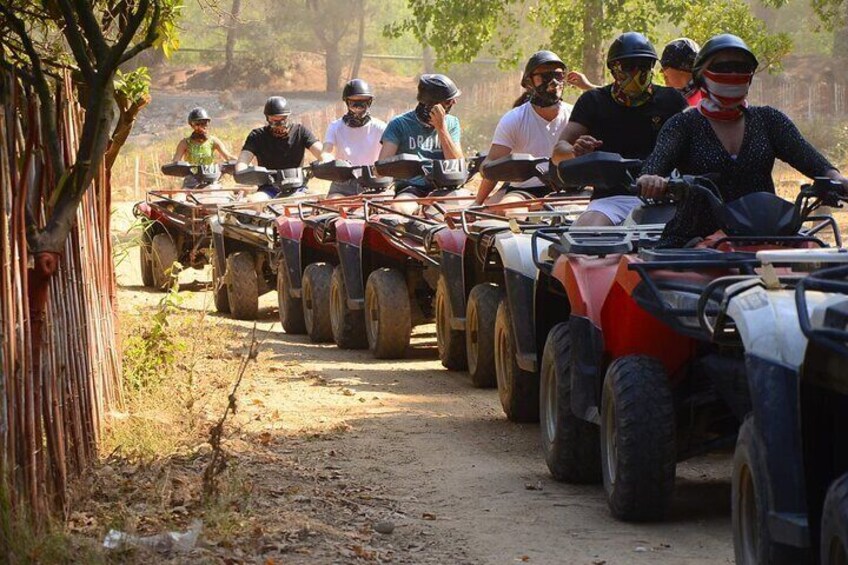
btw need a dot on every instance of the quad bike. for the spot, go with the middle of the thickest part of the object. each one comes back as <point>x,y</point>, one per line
<point>789,467</point>
<point>174,222</point>
<point>390,264</point>
<point>245,240</point>
<point>526,297</point>
<point>494,240</point>
<point>633,377</point>
<point>309,278</point>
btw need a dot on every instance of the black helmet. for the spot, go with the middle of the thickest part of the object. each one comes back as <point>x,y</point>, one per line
<point>276,106</point>
<point>356,87</point>
<point>680,54</point>
<point>198,114</point>
<point>629,45</point>
<point>538,59</point>
<point>433,89</point>
<point>721,43</point>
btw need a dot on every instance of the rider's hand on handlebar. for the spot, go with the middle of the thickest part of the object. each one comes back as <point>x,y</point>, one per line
<point>586,144</point>
<point>652,187</point>
<point>838,177</point>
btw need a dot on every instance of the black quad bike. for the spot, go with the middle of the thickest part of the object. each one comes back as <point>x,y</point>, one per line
<point>245,240</point>
<point>174,222</point>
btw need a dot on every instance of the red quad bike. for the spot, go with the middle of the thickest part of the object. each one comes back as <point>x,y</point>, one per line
<point>310,279</point>
<point>528,306</point>
<point>632,380</point>
<point>493,242</point>
<point>245,240</point>
<point>391,263</point>
<point>175,228</point>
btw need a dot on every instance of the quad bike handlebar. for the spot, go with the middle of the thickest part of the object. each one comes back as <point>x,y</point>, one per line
<point>284,180</point>
<point>438,173</point>
<point>203,174</point>
<point>342,171</point>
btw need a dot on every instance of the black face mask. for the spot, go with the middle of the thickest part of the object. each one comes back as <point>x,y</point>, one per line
<point>199,136</point>
<point>423,113</point>
<point>545,94</point>
<point>357,119</point>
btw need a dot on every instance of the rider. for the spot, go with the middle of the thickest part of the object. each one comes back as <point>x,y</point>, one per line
<point>428,131</point>
<point>624,117</point>
<point>199,148</point>
<point>728,138</point>
<point>535,122</point>
<point>676,63</point>
<point>278,145</point>
<point>355,137</point>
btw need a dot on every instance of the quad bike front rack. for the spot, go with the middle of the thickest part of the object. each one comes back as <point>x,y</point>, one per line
<point>830,280</point>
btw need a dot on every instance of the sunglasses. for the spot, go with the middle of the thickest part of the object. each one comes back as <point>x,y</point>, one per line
<point>200,122</point>
<point>548,76</point>
<point>732,67</point>
<point>277,122</point>
<point>359,103</point>
<point>635,65</point>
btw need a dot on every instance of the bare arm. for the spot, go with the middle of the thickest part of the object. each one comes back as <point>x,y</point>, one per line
<point>573,142</point>
<point>222,150</point>
<point>317,150</point>
<point>389,149</point>
<point>450,148</point>
<point>486,186</point>
<point>182,146</point>
<point>329,147</point>
<point>244,160</point>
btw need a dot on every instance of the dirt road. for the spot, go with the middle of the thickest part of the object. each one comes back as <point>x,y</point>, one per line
<point>464,485</point>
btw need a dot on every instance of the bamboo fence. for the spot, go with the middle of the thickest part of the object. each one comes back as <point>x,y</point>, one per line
<point>51,409</point>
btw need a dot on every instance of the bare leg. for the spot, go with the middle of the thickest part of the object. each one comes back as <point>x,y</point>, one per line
<point>405,203</point>
<point>595,219</point>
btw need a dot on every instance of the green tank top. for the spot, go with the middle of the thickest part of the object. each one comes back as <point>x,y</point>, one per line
<point>200,153</point>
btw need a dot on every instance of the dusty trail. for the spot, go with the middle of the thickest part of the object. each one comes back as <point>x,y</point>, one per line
<point>469,486</point>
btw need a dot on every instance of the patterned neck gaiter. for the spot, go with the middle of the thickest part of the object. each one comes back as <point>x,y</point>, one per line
<point>632,87</point>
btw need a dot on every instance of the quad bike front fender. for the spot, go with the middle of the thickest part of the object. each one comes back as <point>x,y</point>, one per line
<point>290,253</point>
<point>451,267</point>
<point>218,240</point>
<point>520,292</point>
<point>516,253</point>
<point>349,234</point>
<point>587,368</point>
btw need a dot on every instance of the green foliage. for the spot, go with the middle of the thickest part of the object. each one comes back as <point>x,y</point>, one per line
<point>148,356</point>
<point>168,39</point>
<point>135,85</point>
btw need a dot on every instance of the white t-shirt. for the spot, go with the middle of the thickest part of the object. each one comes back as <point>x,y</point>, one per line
<point>524,131</point>
<point>360,146</point>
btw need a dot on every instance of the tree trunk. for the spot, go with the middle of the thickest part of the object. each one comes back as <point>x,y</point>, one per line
<point>231,36</point>
<point>593,66</point>
<point>333,61</point>
<point>429,59</point>
<point>840,41</point>
<point>360,43</point>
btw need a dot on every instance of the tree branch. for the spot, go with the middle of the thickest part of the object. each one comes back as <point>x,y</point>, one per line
<point>75,40</point>
<point>91,29</point>
<point>149,38</point>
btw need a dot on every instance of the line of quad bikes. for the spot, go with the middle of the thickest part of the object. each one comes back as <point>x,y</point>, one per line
<point>632,357</point>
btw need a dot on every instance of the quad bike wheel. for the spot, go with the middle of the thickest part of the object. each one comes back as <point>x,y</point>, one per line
<point>291,308</point>
<point>571,446</point>
<point>834,533</point>
<point>451,342</point>
<point>316,301</point>
<point>348,325</point>
<point>638,451</point>
<point>164,255</point>
<point>242,285</point>
<point>518,389</point>
<point>219,286</point>
<point>145,254</point>
<point>750,488</point>
<point>388,318</point>
<point>480,334</point>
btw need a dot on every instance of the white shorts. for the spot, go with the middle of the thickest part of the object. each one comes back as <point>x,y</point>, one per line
<point>616,208</point>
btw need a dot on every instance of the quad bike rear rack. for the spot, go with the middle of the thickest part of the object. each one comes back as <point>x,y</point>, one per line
<point>424,228</point>
<point>255,223</point>
<point>188,216</point>
<point>592,241</point>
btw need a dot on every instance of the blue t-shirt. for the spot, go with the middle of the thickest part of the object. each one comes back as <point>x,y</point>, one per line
<point>412,137</point>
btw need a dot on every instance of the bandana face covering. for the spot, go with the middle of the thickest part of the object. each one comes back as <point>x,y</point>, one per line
<point>548,93</point>
<point>357,113</point>
<point>727,95</point>
<point>279,128</point>
<point>422,111</point>
<point>632,87</point>
<point>199,136</point>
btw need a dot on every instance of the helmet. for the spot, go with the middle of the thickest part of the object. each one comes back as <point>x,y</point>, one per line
<point>631,45</point>
<point>721,43</point>
<point>198,114</point>
<point>679,54</point>
<point>433,89</point>
<point>356,87</point>
<point>538,59</point>
<point>276,106</point>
